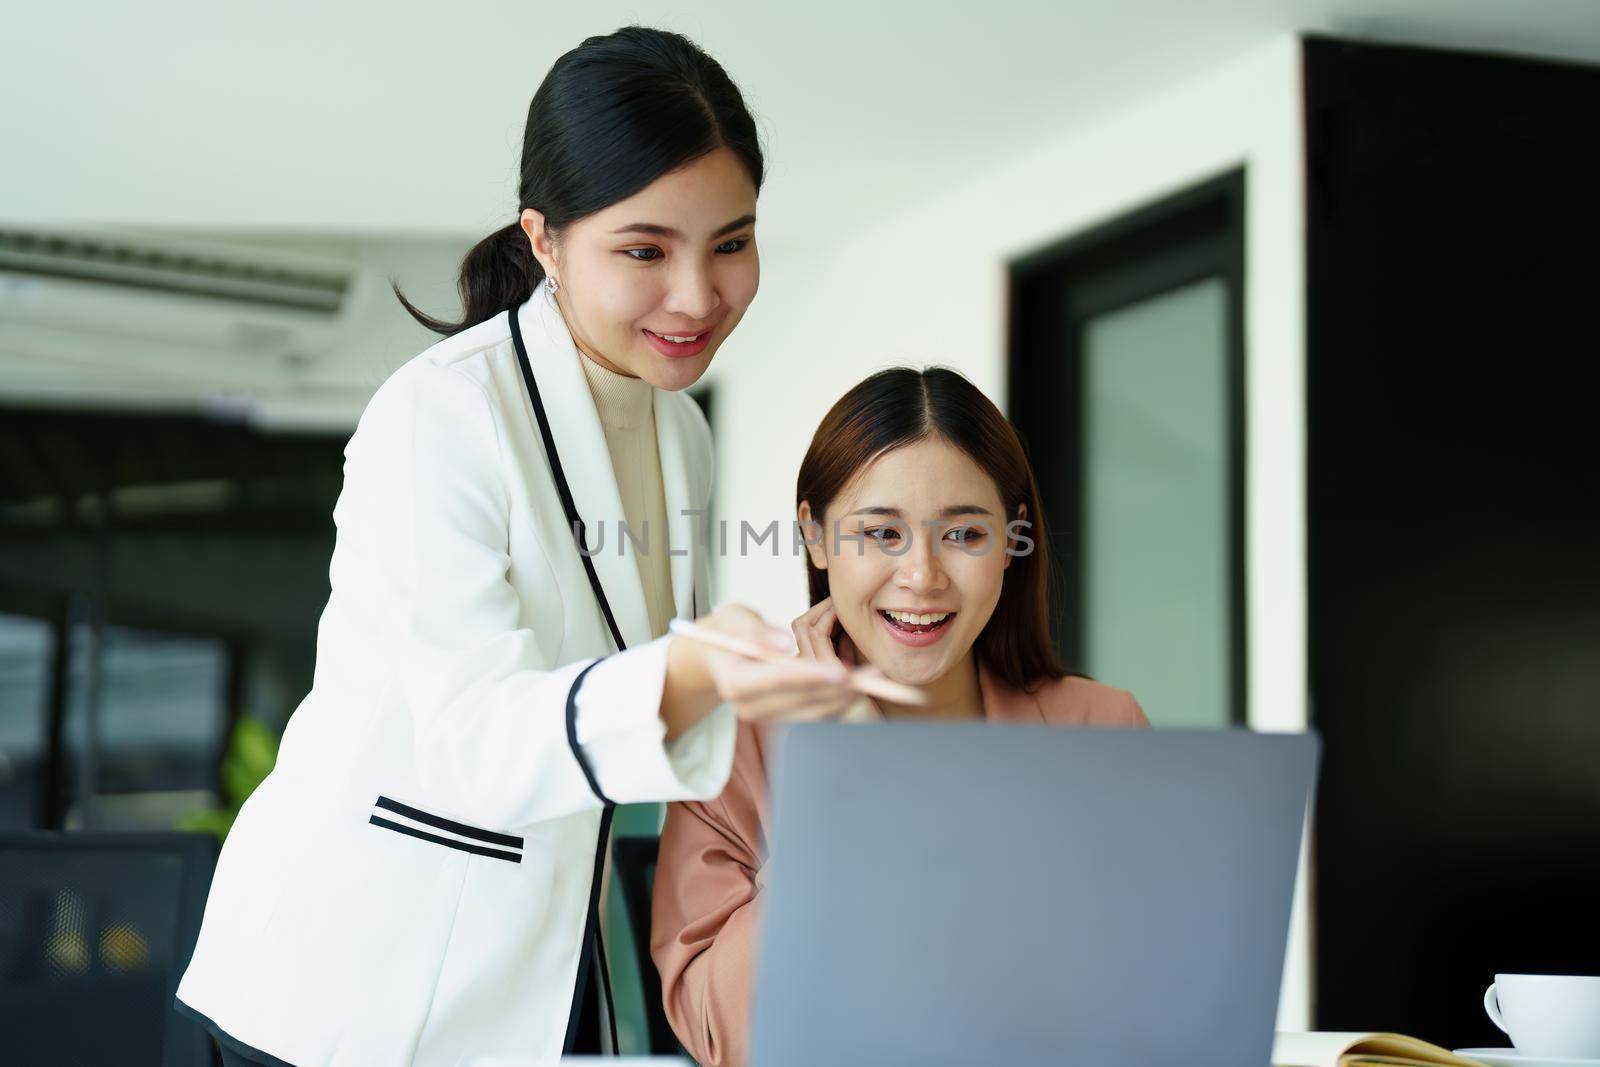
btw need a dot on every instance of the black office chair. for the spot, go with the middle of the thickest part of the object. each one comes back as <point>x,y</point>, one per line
<point>95,931</point>
<point>633,860</point>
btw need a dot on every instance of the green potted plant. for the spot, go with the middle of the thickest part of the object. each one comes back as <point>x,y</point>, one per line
<point>252,751</point>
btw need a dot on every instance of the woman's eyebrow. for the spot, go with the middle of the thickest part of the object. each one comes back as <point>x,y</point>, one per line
<point>944,513</point>
<point>655,229</point>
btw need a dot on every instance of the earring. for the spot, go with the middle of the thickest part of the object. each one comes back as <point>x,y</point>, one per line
<point>551,285</point>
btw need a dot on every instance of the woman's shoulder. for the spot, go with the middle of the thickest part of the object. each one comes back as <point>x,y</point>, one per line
<point>470,350</point>
<point>1078,701</point>
<point>462,363</point>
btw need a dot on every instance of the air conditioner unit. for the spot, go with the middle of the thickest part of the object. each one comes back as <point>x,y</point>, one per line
<point>132,307</point>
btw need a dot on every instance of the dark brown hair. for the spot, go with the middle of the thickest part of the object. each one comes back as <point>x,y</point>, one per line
<point>901,406</point>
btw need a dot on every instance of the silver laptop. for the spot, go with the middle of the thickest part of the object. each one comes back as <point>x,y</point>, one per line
<point>1020,895</point>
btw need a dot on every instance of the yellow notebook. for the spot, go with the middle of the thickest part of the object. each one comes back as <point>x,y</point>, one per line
<point>1361,1050</point>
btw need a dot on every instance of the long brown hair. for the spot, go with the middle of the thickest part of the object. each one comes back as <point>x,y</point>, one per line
<point>901,406</point>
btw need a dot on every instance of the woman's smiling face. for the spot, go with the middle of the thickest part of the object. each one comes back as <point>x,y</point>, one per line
<point>920,532</point>
<point>652,285</point>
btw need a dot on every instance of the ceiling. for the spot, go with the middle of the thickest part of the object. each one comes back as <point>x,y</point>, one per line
<point>361,117</point>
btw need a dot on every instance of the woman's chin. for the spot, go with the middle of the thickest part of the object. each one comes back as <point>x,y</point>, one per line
<point>675,378</point>
<point>911,667</point>
<point>675,375</point>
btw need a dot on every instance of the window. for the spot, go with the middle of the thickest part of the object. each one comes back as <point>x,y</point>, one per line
<point>144,739</point>
<point>26,651</point>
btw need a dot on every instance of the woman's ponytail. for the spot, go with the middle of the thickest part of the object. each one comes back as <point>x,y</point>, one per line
<point>499,272</point>
<point>612,116</point>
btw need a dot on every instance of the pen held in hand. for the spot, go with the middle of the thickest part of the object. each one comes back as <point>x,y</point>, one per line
<point>863,679</point>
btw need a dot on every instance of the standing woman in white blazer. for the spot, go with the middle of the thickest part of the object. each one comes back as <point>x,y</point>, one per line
<point>418,879</point>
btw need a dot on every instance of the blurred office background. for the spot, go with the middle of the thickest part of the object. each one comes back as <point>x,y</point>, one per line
<point>1292,301</point>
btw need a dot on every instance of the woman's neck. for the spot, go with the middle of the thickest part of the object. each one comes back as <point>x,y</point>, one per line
<point>601,361</point>
<point>953,695</point>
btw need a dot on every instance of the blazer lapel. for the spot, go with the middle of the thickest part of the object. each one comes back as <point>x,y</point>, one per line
<point>585,459</point>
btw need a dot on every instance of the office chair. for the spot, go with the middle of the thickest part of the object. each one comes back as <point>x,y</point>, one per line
<point>95,931</point>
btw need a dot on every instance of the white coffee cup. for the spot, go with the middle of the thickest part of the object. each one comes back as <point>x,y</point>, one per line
<point>1554,1015</point>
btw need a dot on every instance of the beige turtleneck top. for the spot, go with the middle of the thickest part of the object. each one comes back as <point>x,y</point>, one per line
<point>626,407</point>
<point>627,414</point>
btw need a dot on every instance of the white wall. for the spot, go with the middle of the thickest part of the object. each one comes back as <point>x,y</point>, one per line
<point>928,285</point>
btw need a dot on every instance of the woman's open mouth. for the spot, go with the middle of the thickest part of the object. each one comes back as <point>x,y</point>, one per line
<point>916,630</point>
<point>679,345</point>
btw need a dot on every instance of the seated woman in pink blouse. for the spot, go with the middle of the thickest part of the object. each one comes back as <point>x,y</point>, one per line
<point>930,561</point>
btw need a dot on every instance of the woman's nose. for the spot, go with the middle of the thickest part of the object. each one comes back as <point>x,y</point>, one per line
<point>693,294</point>
<point>919,570</point>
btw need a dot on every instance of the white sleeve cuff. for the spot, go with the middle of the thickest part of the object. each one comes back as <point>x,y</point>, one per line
<point>621,735</point>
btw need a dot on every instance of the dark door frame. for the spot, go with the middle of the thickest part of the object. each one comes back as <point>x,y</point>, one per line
<point>1195,234</point>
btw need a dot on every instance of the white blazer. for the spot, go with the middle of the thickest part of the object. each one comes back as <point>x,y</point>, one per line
<point>411,883</point>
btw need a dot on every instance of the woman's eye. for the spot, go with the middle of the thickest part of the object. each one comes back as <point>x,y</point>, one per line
<point>643,255</point>
<point>882,534</point>
<point>728,248</point>
<point>966,535</point>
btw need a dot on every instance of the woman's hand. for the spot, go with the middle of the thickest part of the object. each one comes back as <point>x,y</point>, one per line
<point>813,635</point>
<point>699,677</point>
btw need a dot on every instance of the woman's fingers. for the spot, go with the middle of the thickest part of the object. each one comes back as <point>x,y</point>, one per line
<point>795,708</point>
<point>751,682</point>
<point>739,678</point>
<point>822,626</point>
<point>813,685</point>
<point>770,690</point>
<point>802,638</point>
<point>736,620</point>
<point>813,631</point>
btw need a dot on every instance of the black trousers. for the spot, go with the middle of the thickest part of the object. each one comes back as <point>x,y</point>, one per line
<point>588,1039</point>
<point>590,1021</point>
